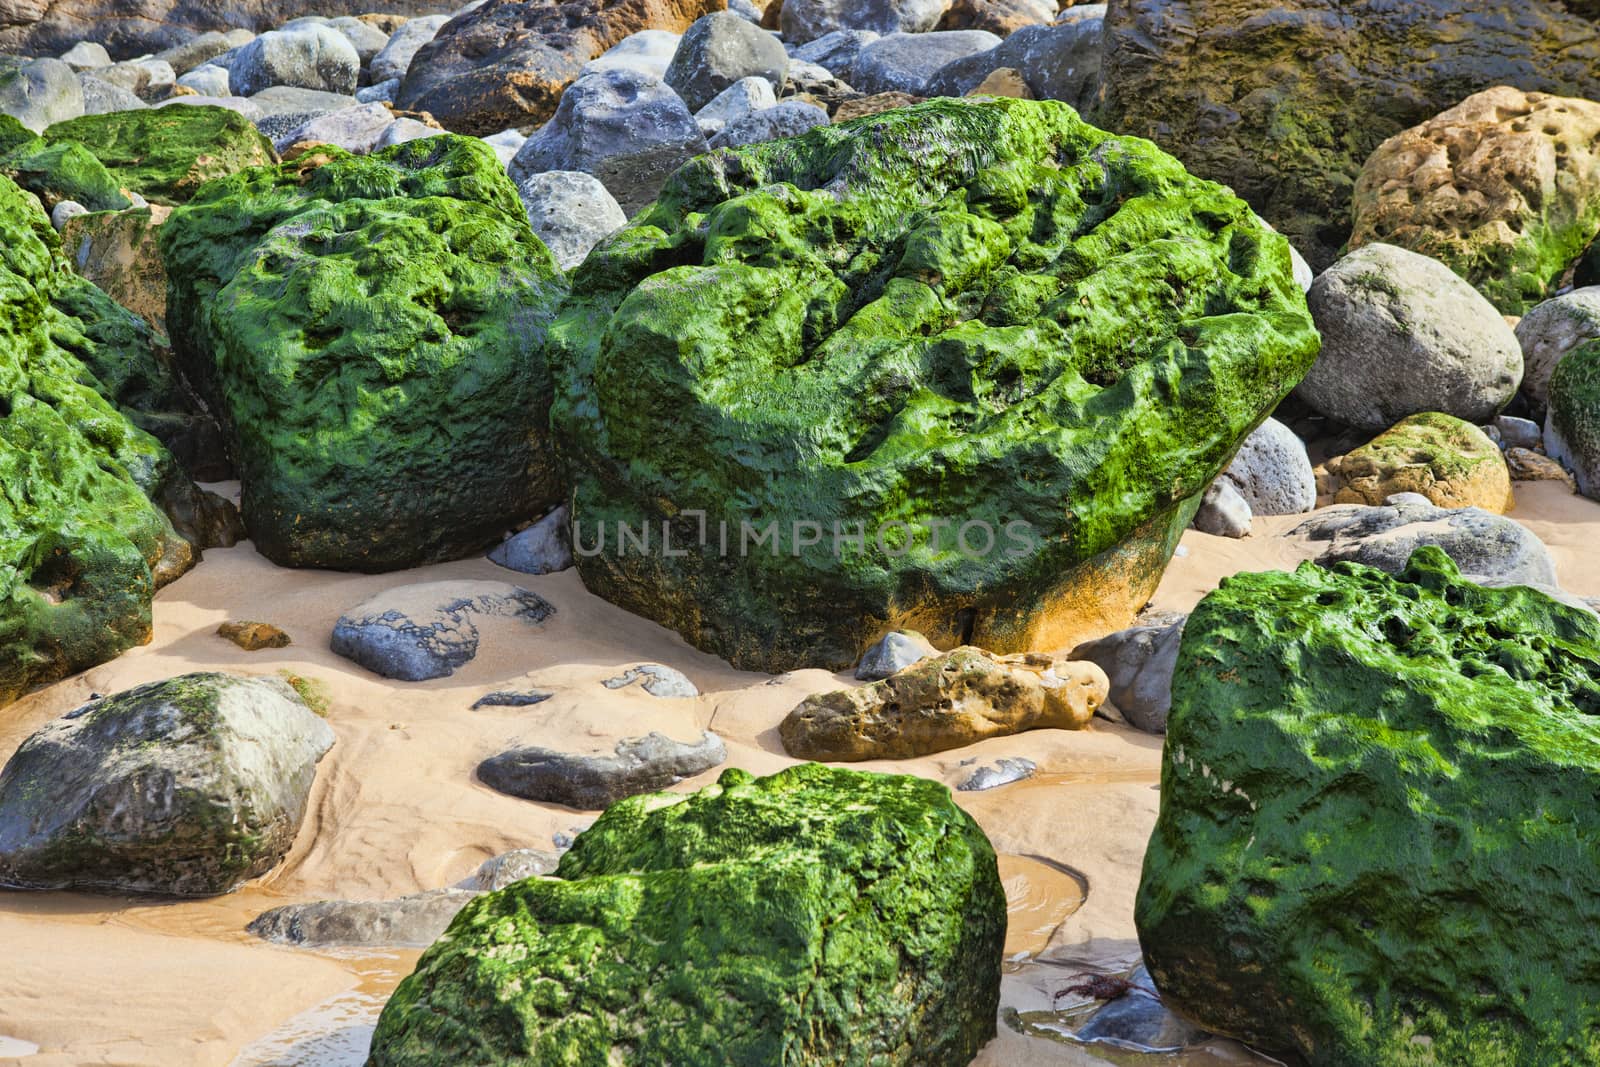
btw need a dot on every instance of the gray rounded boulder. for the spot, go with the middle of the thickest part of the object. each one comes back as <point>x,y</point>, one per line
<point>718,50</point>
<point>185,787</point>
<point>570,211</point>
<point>1403,334</point>
<point>1551,330</point>
<point>307,57</point>
<point>1273,472</point>
<point>626,128</point>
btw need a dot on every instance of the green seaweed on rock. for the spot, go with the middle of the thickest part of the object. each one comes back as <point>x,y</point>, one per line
<point>1378,830</point>
<point>817,916</point>
<point>961,312</point>
<point>370,331</point>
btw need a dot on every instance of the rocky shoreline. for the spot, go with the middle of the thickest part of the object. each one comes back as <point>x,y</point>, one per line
<point>930,532</point>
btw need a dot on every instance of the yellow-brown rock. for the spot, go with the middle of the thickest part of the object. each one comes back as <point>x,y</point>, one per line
<point>861,106</point>
<point>1447,460</point>
<point>1004,81</point>
<point>1526,465</point>
<point>1504,188</point>
<point>117,251</point>
<point>945,702</point>
<point>253,636</point>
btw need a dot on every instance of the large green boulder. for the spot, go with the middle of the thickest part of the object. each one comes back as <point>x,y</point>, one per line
<point>369,330</point>
<point>1285,101</point>
<point>166,153</point>
<point>1005,348</point>
<point>1378,837</point>
<point>818,916</point>
<point>57,171</point>
<point>83,542</point>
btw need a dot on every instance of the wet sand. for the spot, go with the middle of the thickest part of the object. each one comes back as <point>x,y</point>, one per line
<point>396,809</point>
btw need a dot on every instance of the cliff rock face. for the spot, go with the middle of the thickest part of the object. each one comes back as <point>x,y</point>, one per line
<point>1286,101</point>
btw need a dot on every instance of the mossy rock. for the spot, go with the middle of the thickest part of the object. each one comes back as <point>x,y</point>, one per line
<point>167,153</point>
<point>186,786</point>
<point>1286,102</point>
<point>83,544</point>
<point>1378,825</point>
<point>57,172</point>
<point>980,311</point>
<point>1448,460</point>
<point>817,916</point>
<point>1572,427</point>
<point>370,332</point>
<point>1504,188</point>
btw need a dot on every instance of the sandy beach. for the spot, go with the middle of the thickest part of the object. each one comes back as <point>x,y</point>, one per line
<point>396,808</point>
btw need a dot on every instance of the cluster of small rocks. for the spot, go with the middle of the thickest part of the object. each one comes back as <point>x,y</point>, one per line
<point>589,138</point>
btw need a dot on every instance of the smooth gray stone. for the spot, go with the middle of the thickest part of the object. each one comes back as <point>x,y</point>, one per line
<point>1060,61</point>
<point>1138,1022</point>
<point>415,632</point>
<point>789,118</point>
<point>1273,473</point>
<point>413,921</point>
<point>906,62</point>
<point>103,98</point>
<point>1455,354</point>
<point>308,57</point>
<point>627,129</point>
<point>1480,543</point>
<point>40,93</point>
<point>506,698</point>
<point>1551,330</point>
<point>509,867</point>
<point>1223,511</point>
<point>1003,771</point>
<point>718,50</point>
<point>183,787</point>
<point>207,81</point>
<point>641,765</point>
<point>1139,663</point>
<point>546,547</point>
<point>659,681</point>
<point>893,653</point>
<point>394,59</point>
<point>806,20</point>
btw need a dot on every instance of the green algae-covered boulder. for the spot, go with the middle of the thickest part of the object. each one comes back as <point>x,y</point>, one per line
<point>1378,840</point>
<point>83,542</point>
<point>1004,350</point>
<point>166,153</point>
<point>57,172</point>
<point>1572,426</point>
<point>369,331</point>
<point>815,917</point>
